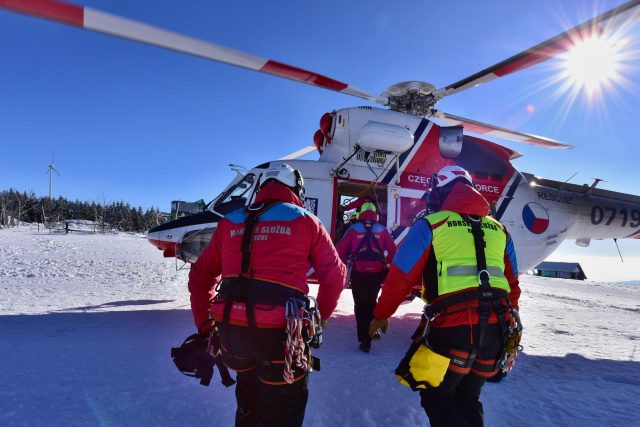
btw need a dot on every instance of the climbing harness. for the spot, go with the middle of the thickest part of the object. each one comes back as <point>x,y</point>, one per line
<point>368,249</point>
<point>512,331</point>
<point>303,322</point>
<point>421,367</point>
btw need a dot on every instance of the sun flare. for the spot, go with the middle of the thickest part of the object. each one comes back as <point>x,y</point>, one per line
<point>592,63</point>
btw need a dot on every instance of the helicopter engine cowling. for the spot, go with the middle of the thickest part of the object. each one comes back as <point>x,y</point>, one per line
<point>390,138</point>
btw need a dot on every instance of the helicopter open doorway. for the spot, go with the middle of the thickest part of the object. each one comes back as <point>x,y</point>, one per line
<point>350,194</point>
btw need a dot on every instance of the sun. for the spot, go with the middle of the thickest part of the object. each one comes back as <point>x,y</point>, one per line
<point>597,65</point>
<point>592,64</point>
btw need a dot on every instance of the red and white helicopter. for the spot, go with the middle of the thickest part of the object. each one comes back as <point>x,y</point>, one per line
<point>388,155</point>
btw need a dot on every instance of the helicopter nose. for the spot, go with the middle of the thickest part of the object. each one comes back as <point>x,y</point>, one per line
<point>163,242</point>
<point>167,236</point>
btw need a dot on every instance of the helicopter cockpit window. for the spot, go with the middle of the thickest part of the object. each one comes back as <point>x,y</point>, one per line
<point>482,163</point>
<point>236,197</point>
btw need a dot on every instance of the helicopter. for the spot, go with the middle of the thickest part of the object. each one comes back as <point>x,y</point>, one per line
<point>390,154</point>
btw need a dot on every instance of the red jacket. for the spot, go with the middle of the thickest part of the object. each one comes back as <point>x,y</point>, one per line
<point>413,256</point>
<point>288,241</point>
<point>352,239</point>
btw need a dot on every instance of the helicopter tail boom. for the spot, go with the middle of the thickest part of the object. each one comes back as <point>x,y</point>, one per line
<point>597,213</point>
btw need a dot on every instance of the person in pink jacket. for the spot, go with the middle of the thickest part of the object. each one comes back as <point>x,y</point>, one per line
<point>260,255</point>
<point>363,247</point>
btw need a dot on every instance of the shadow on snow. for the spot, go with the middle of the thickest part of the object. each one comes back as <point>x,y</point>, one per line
<point>118,304</point>
<point>113,368</point>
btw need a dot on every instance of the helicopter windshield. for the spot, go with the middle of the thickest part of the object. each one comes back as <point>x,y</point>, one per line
<point>236,196</point>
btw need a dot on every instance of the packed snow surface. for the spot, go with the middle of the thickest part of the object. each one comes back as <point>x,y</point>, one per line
<point>86,323</point>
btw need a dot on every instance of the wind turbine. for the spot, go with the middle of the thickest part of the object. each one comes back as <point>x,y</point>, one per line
<point>51,169</point>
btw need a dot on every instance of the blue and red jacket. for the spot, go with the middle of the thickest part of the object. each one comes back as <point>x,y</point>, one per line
<point>287,242</point>
<point>416,252</point>
<point>351,241</point>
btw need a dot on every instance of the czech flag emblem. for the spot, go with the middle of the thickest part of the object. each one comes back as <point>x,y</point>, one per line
<point>535,217</point>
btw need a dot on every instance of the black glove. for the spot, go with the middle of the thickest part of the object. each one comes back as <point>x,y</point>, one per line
<point>192,358</point>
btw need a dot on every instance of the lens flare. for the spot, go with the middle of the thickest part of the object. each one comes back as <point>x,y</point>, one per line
<point>593,72</point>
<point>592,63</point>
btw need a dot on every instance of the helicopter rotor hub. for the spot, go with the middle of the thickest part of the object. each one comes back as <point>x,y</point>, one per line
<point>413,97</point>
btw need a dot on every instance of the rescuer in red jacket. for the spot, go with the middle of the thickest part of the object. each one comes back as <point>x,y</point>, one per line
<point>262,254</point>
<point>363,249</point>
<point>470,307</point>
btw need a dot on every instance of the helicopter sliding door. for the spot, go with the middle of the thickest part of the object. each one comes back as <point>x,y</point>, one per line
<point>350,194</point>
<point>405,206</point>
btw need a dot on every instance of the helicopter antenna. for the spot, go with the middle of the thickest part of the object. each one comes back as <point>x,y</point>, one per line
<point>566,181</point>
<point>618,247</point>
<point>561,187</point>
<point>590,190</point>
<point>51,168</point>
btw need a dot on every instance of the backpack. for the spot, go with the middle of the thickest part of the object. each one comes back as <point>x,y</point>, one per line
<point>369,256</point>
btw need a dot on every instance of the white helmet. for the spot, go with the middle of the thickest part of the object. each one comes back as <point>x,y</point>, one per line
<point>283,173</point>
<point>448,174</point>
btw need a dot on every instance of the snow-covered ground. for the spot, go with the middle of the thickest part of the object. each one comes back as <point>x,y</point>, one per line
<point>86,323</point>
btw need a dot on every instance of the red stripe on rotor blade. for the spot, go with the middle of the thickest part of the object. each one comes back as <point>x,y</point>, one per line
<point>542,143</point>
<point>287,71</point>
<point>548,51</point>
<point>476,127</point>
<point>49,9</point>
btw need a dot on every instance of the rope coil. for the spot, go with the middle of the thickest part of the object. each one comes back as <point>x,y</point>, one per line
<point>294,350</point>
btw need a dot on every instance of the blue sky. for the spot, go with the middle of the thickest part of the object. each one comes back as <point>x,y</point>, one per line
<point>145,125</point>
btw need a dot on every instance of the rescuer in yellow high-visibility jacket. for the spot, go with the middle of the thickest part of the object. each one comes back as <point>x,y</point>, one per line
<point>439,252</point>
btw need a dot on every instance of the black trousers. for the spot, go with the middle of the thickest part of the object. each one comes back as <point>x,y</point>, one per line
<point>456,402</point>
<point>262,395</point>
<point>365,288</point>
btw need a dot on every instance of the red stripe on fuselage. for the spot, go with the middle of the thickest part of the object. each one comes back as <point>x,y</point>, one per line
<point>425,161</point>
<point>168,248</point>
<point>49,9</point>
<point>284,70</point>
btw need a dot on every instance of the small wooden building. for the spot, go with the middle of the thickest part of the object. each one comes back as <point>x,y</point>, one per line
<point>180,208</point>
<point>561,270</point>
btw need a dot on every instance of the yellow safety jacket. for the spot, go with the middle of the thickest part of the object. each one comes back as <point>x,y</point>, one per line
<point>454,249</point>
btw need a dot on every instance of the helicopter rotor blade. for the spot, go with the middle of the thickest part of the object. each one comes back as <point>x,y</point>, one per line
<point>545,50</point>
<point>101,22</point>
<point>496,131</point>
<point>299,153</point>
